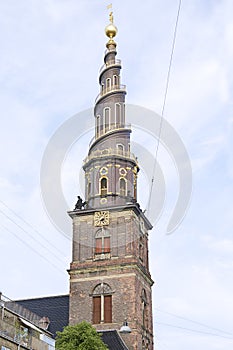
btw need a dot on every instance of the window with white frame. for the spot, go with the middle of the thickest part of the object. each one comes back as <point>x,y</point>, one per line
<point>115,80</point>
<point>120,148</point>
<point>107,118</point>
<point>102,241</point>
<point>102,303</point>
<point>108,83</point>
<point>117,114</point>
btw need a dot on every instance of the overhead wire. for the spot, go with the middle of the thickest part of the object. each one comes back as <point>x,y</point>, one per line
<point>30,225</point>
<point>163,107</point>
<point>193,330</point>
<point>32,237</point>
<point>195,322</point>
<point>33,249</point>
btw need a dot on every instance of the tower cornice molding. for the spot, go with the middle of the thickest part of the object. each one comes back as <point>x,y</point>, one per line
<point>82,269</point>
<point>131,206</point>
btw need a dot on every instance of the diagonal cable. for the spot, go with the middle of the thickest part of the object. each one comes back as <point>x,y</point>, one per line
<point>163,107</point>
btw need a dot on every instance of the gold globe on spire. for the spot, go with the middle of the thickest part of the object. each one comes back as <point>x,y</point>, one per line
<point>111,30</point>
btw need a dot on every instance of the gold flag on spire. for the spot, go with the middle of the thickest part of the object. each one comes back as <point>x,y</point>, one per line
<point>109,6</point>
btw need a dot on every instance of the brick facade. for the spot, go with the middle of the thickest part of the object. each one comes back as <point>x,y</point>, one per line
<point>125,269</point>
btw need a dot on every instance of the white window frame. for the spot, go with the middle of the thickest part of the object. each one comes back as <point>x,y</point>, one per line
<point>117,104</point>
<point>109,118</point>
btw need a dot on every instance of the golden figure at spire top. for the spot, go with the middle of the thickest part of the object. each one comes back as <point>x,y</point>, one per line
<point>111,29</point>
<point>111,17</point>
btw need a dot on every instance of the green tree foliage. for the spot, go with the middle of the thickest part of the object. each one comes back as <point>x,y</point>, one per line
<point>82,336</point>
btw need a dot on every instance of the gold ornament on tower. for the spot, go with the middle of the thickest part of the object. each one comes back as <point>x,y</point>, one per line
<point>111,29</point>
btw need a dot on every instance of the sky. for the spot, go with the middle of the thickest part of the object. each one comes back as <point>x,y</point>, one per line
<point>51,52</point>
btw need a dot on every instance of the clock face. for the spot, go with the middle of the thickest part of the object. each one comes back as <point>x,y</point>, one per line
<point>101,218</point>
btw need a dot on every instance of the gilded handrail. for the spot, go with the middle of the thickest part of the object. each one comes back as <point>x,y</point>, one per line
<point>110,152</point>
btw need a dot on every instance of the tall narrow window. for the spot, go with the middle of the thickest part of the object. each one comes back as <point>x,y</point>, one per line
<point>97,125</point>
<point>122,187</point>
<point>103,186</point>
<point>117,115</point>
<point>115,80</point>
<point>108,83</point>
<point>101,127</point>
<point>89,189</point>
<point>102,241</point>
<point>141,249</point>
<point>144,309</point>
<point>108,309</point>
<point>96,309</point>
<point>107,118</point>
<point>102,304</point>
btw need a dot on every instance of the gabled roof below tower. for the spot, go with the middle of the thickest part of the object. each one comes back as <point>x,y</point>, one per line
<point>113,340</point>
<point>56,308</point>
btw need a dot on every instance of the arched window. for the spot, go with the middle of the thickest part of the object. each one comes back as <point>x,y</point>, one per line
<point>120,148</point>
<point>122,187</point>
<point>102,241</point>
<point>102,303</point>
<point>106,118</point>
<point>115,80</point>
<point>103,186</point>
<point>108,83</point>
<point>117,115</point>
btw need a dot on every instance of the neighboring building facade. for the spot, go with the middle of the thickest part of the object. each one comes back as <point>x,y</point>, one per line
<point>22,329</point>
<point>109,274</point>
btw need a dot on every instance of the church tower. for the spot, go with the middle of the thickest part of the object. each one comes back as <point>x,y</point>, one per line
<point>110,282</point>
